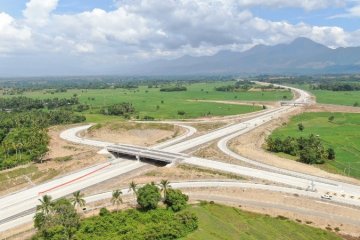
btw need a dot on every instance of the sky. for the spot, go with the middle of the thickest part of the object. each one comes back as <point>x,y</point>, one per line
<point>86,37</point>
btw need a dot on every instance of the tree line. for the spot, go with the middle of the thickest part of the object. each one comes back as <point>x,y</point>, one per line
<point>310,149</point>
<point>338,86</point>
<point>24,103</point>
<point>20,85</point>
<point>61,219</point>
<point>237,86</point>
<point>173,89</point>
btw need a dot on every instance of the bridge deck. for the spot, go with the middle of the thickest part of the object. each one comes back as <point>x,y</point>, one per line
<point>146,153</point>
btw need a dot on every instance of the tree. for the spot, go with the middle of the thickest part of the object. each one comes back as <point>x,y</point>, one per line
<point>116,199</point>
<point>331,118</point>
<point>301,127</point>
<point>62,222</point>
<point>78,199</point>
<point>330,153</point>
<point>164,185</point>
<point>176,200</point>
<point>308,155</point>
<point>289,146</point>
<point>133,187</point>
<point>46,205</point>
<point>148,196</point>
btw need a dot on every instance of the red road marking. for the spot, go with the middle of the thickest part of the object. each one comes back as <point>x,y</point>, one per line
<point>73,180</point>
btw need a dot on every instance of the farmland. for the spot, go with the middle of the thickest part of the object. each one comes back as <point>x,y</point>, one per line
<point>166,105</point>
<point>347,98</point>
<point>221,222</point>
<point>341,133</point>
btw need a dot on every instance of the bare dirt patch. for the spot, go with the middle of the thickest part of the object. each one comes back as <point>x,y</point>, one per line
<point>141,134</point>
<point>207,126</point>
<point>214,153</point>
<point>332,108</point>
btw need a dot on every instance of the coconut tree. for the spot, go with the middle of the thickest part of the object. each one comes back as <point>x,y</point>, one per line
<point>45,205</point>
<point>165,185</point>
<point>116,199</point>
<point>78,199</point>
<point>133,187</point>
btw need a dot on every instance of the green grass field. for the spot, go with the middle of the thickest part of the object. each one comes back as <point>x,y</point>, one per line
<point>147,99</point>
<point>342,134</point>
<point>347,98</point>
<point>221,222</point>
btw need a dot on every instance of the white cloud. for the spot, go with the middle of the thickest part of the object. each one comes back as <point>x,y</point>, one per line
<point>37,11</point>
<point>158,29</point>
<point>12,36</point>
<point>308,5</point>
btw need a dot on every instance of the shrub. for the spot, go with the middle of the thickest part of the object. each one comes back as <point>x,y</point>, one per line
<point>176,200</point>
<point>330,153</point>
<point>148,118</point>
<point>181,113</point>
<point>104,212</point>
<point>148,196</point>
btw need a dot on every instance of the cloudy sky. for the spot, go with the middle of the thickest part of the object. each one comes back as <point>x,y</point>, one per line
<point>71,37</point>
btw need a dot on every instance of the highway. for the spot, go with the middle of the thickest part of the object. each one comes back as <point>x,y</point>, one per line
<point>105,196</point>
<point>19,204</point>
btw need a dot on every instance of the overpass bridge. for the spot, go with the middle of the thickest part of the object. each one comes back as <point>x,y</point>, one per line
<point>292,103</point>
<point>146,154</point>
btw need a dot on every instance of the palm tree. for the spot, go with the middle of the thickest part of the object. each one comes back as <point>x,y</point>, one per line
<point>46,205</point>
<point>165,185</point>
<point>133,186</point>
<point>116,199</point>
<point>78,199</point>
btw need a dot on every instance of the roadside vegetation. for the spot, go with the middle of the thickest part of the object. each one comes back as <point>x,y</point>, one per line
<point>162,214</point>
<point>334,136</point>
<point>61,219</point>
<point>309,150</point>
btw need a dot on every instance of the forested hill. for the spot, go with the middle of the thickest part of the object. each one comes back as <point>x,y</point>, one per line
<point>302,56</point>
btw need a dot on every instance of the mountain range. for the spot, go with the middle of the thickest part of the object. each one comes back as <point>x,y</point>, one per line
<point>302,56</point>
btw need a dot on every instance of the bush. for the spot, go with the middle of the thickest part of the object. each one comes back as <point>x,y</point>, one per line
<point>148,118</point>
<point>176,200</point>
<point>330,153</point>
<point>104,212</point>
<point>148,196</point>
<point>181,113</point>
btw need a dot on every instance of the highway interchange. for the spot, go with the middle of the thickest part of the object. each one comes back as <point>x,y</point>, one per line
<point>18,208</point>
